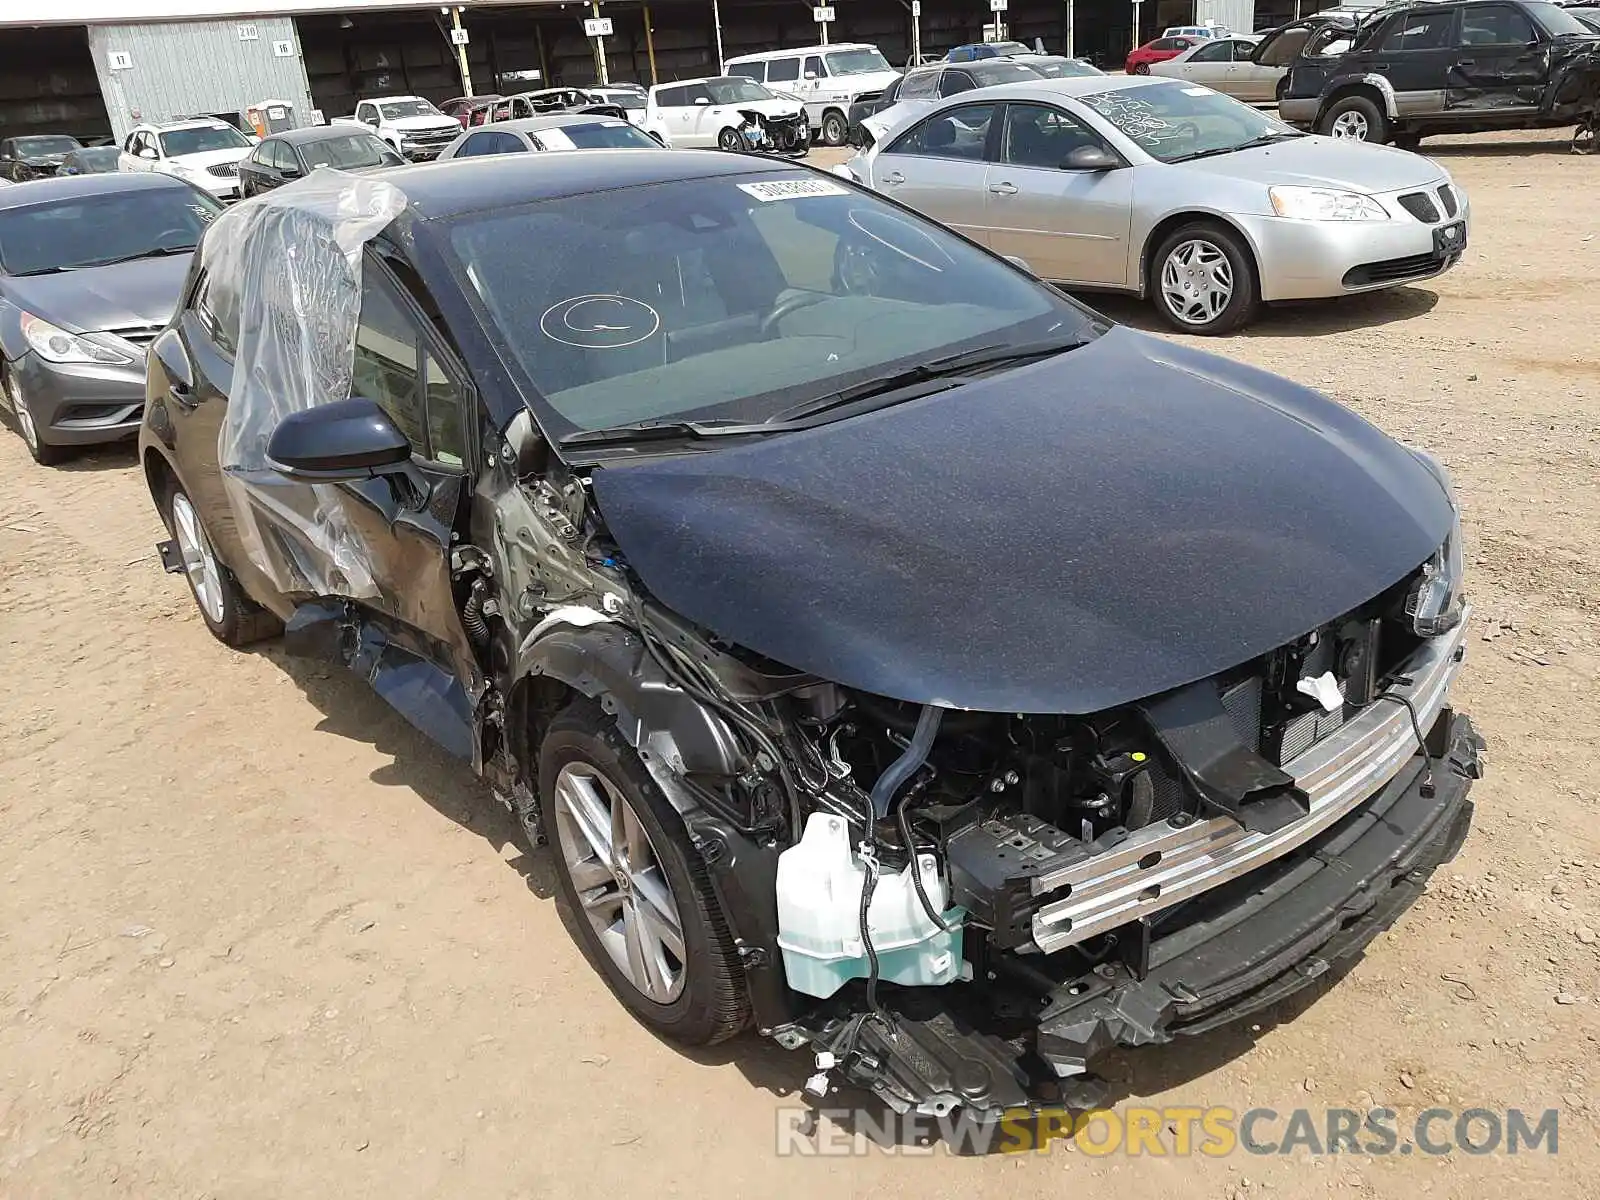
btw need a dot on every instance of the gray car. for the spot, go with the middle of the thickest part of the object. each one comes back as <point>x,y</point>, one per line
<point>1171,191</point>
<point>557,131</point>
<point>90,271</point>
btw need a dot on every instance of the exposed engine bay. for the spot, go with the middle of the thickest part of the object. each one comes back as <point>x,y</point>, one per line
<point>783,135</point>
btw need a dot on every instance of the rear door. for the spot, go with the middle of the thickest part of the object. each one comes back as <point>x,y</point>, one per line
<point>938,166</point>
<point>1210,65</point>
<point>1414,52</point>
<point>1501,61</point>
<point>1070,226</point>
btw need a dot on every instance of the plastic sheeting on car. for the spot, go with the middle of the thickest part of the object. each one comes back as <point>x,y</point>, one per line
<point>294,256</point>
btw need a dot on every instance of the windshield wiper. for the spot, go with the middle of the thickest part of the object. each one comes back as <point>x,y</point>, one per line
<point>153,252</point>
<point>1266,139</point>
<point>999,354</point>
<point>644,431</point>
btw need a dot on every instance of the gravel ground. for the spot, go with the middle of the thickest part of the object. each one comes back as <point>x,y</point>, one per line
<point>258,939</point>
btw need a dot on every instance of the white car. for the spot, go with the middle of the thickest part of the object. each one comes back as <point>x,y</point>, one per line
<point>727,112</point>
<point>1223,65</point>
<point>203,152</point>
<point>411,125</point>
<point>829,79</point>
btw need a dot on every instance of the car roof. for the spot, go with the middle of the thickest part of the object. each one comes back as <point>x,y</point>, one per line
<point>184,123</point>
<point>703,79</point>
<point>456,186</point>
<point>550,121</point>
<point>766,54</point>
<point>1076,85</point>
<point>69,187</point>
<point>312,133</point>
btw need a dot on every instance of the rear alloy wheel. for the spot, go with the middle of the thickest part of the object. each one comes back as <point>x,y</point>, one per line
<point>1355,118</point>
<point>43,453</point>
<point>835,129</point>
<point>730,141</point>
<point>636,890</point>
<point>230,615</point>
<point>1203,280</point>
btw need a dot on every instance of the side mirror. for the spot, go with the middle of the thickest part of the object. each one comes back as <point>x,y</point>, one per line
<point>1020,264</point>
<point>702,100</point>
<point>290,172</point>
<point>1091,158</point>
<point>811,74</point>
<point>146,152</point>
<point>373,121</point>
<point>348,439</point>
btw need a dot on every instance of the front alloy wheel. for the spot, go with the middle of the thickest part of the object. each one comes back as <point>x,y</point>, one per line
<point>835,129</point>
<point>730,140</point>
<point>1204,280</point>
<point>43,453</point>
<point>230,615</point>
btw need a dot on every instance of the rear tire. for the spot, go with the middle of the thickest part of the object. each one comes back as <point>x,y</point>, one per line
<point>1203,279</point>
<point>1407,141</point>
<point>665,923</point>
<point>1355,117</point>
<point>231,616</point>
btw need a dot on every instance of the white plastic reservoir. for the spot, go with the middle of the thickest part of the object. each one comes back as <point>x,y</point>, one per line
<point>819,916</point>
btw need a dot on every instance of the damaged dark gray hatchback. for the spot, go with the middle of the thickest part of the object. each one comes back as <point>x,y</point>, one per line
<point>902,661</point>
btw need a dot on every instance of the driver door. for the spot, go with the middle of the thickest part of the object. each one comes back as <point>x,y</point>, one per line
<point>938,167</point>
<point>1500,62</point>
<point>703,117</point>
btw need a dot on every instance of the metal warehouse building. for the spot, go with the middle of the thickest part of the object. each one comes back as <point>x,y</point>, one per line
<point>95,68</point>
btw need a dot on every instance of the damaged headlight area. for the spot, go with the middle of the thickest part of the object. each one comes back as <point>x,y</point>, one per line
<point>1436,600</point>
<point>783,135</point>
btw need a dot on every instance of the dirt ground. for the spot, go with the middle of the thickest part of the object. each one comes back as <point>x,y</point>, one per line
<point>259,939</point>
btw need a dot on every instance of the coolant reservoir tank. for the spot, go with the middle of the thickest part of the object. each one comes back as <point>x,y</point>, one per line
<point>819,916</point>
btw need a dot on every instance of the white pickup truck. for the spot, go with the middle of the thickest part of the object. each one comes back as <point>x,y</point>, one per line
<point>413,126</point>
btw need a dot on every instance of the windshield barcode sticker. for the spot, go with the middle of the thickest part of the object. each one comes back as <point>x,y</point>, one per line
<point>792,189</point>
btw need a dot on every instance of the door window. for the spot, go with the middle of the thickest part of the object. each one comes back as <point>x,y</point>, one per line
<point>952,82</point>
<point>490,141</point>
<point>1419,30</point>
<point>1213,52</point>
<point>1496,25</point>
<point>783,70</point>
<point>1040,136</point>
<point>813,66</point>
<point>747,70</point>
<point>959,133</point>
<point>696,92</point>
<point>395,370</point>
<point>282,157</point>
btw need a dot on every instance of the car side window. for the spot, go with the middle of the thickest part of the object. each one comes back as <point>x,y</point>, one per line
<point>959,133</point>
<point>814,67</point>
<point>394,368</point>
<point>696,92</point>
<point>783,70</point>
<point>1419,30</point>
<point>952,82</point>
<point>217,309</point>
<point>1040,136</point>
<point>1215,52</point>
<point>1496,25</point>
<point>747,70</point>
<point>919,85</point>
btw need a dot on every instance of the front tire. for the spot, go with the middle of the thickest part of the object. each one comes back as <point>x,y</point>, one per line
<point>231,616</point>
<point>835,129</point>
<point>1356,118</point>
<point>730,141</point>
<point>1140,69</point>
<point>636,892</point>
<point>1203,280</point>
<point>45,454</point>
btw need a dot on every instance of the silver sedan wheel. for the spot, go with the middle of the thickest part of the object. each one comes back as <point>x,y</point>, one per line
<point>19,409</point>
<point>199,563</point>
<point>1351,124</point>
<point>619,881</point>
<point>1197,281</point>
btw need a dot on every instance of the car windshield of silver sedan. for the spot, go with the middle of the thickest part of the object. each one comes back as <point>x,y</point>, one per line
<point>202,139</point>
<point>96,231</point>
<point>856,62</point>
<point>1175,122</point>
<point>991,74</point>
<point>735,90</point>
<point>349,151</point>
<point>738,299</point>
<point>600,135</point>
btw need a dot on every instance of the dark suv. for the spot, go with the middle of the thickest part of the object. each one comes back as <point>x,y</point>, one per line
<point>1419,69</point>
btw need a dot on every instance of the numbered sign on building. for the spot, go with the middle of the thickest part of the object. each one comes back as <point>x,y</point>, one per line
<point>458,37</point>
<point>597,27</point>
<point>822,14</point>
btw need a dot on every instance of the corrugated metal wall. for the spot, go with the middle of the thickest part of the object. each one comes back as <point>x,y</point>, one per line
<point>188,68</point>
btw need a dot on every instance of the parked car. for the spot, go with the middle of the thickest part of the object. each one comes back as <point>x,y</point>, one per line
<point>1057,66</point>
<point>549,100</point>
<point>462,107</point>
<point>978,51</point>
<point>729,112</point>
<point>1160,49</point>
<point>850,715</point>
<point>1223,65</point>
<point>1177,193</point>
<point>295,153</point>
<point>90,270</point>
<point>412,126</point>
<point>1460,66</point>
<point>1263,75</point>
<point>922,89</point>
<point>630,97</point>
<point>555,131</point>
<point>34,156</point>
<point>1195,31</point>
<point>89,160</point>
<point>202,152</point>
<point>828,79</point>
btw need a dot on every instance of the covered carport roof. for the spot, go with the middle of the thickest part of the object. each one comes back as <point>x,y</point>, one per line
<point>126,12</point>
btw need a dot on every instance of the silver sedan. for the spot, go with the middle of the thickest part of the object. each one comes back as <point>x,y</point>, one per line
<point>1169,190</point>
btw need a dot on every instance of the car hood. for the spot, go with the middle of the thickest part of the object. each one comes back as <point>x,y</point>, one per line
<point>209,158</point>
<point>43,160</point>
<point>886,121</point>
<point>421,124</point>
<point>1091,530</point>
<point>142,292</point>
<point>1322,162</point>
